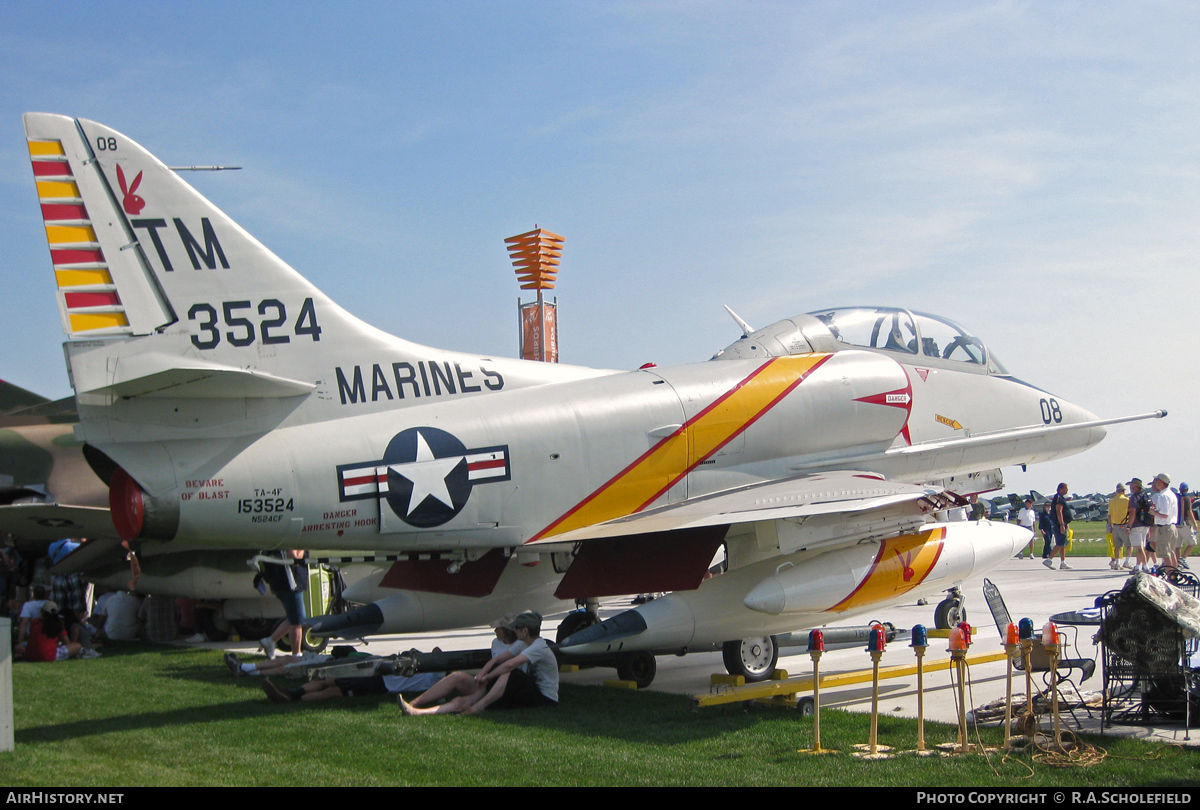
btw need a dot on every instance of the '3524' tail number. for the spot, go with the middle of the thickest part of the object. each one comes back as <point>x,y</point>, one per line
<point>243,329</point>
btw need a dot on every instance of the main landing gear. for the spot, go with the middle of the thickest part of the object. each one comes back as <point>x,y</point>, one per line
<point>586,613</point>
<point>752,658</point>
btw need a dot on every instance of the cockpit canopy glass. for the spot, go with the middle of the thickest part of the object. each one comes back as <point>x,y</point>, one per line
<point>911,333</point>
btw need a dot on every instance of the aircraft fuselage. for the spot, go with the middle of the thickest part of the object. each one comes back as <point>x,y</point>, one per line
<point>502,469</point>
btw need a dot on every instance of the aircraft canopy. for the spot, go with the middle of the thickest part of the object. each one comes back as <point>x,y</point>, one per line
<point>916,334</point>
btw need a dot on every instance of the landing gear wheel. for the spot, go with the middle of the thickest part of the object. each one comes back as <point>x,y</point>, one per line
<point>573,622</point>
<point>213,626</point>
<point>251,629</point>
<point>806,706</point>
<point>752,658</point>
<point>639,667</point>
<point>310,643</point>
<point>949,613</point>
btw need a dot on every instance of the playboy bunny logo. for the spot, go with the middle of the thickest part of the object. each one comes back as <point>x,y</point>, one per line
<point>132,203</point>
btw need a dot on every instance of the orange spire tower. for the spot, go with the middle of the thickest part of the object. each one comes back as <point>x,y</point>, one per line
<point>536,255</point>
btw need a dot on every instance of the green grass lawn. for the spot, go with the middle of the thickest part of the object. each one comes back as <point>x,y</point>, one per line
<point>1089,539</point>
<point>150,715</point>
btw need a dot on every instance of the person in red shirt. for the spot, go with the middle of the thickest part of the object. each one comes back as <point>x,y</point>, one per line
<point>48,637</point>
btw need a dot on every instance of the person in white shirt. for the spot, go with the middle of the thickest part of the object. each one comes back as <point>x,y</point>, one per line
<point>1165,508</point>
<point>463,688</point>
<point>1027,518</point>
<point>513,687</point>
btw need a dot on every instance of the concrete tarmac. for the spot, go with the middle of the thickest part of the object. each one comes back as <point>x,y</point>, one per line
<point>1029,590</point>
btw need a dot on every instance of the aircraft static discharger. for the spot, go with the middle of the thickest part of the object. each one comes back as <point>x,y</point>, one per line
<point>228,403</point>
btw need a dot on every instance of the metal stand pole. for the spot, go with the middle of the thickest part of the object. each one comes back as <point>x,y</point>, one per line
<point>1026,660</point>
<point>959,659</point>
<point>816,657</point>
<point>920,651</point>
<point>875,656</point>
<point>1011,649</point>
<point>1052,653</point>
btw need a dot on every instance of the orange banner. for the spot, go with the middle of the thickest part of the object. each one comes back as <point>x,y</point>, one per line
<point>539,332</point>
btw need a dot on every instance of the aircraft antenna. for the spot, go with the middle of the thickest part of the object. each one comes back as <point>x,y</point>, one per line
<point>746,328</point>
<point>203,168</point>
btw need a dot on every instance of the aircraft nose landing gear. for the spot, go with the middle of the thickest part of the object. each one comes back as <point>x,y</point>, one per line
<point>951,610</point>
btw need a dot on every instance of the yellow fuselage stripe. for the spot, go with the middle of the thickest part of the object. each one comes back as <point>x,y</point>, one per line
<point>665,464</point>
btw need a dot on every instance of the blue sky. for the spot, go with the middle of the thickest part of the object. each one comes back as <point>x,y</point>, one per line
<point>1028,169</point>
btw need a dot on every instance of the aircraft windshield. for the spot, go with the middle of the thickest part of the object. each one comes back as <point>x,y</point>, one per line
<point>912,333</point>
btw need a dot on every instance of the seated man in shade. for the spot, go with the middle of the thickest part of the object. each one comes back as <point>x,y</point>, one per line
<point>512,686</point>
<point>327,688</point>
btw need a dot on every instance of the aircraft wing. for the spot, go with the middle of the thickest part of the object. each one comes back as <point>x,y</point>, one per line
<point>805,496</point>
<point>673,545</point>
<point>14,397</point>
<point>52,521</point>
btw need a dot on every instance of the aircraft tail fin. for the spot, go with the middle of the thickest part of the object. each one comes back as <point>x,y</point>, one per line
<point>136,249</point>
<point>165,297</point>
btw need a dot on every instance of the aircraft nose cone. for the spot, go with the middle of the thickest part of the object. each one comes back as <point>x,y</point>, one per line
<point>767,597</point>
<point>996,543</point>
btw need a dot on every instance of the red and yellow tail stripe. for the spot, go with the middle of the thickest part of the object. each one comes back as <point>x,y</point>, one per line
<point>663,466</point>
<point>88,297</point>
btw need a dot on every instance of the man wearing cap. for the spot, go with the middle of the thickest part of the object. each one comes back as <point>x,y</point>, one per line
<point>1186,526</point>
<point>1139,520</point>
<point>1118,510</point>
<point>1165,508</point>
<point>513,687</point>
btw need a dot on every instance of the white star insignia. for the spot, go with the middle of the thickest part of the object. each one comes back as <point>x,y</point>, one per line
<point>428,475</point>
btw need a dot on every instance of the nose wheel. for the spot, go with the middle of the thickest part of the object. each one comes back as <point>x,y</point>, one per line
<point>752,658</point>
<point>950,611</point>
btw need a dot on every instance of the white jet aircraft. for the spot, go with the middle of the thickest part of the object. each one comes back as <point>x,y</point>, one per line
<point>228,403</point>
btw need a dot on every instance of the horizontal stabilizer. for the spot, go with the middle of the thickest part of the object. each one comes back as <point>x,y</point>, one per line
<point>51,521</point>
<point>159,375</point>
